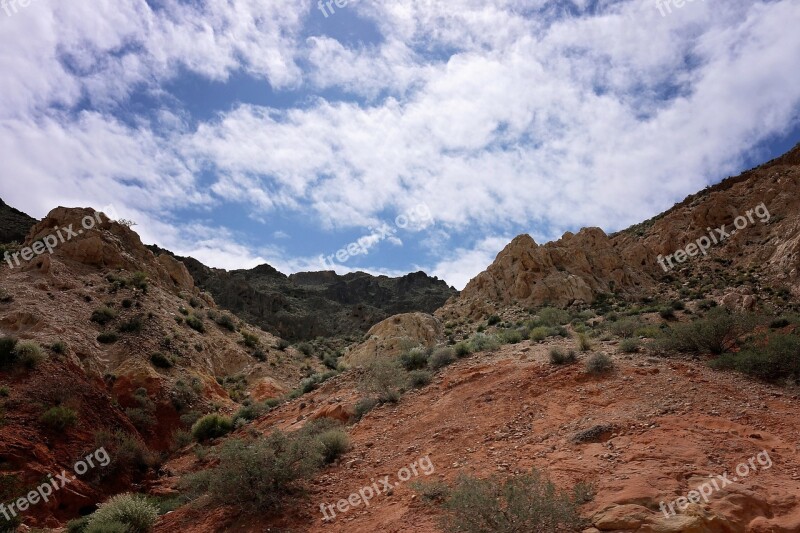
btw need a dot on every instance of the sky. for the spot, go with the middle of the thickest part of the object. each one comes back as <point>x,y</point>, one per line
<point>388,137</point>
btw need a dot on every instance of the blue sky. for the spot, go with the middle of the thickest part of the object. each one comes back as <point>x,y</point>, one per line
<point>249,131</point>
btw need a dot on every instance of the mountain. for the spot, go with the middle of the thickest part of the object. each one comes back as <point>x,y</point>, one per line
<point>14,224</point>
<point>308,305</point>
<point>748,227</point>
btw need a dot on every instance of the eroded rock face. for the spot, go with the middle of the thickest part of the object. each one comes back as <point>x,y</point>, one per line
<point>390,337</point>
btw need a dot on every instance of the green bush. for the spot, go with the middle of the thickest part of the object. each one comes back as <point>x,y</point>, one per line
<point>492,320</point>
<point>257,475</point>
<point>383,378</point>
<point>779,323</point>
<point>419,378</point>
<point>539,334</point>
<point>59,418</point>
<point>78,525</point>
<point>480,342</point>
<point>8,356</point>
<point>226,321</point>
<point>103,315</point>
<point>774,358</point>
<point>511,336</point>
<point>335,443</point>
<point>550,316</point>
<point>717,332</point>
<point>667,313</point>
<point>131,510</point>
<point>128,452</point>
<point>599,363</point>
<point>250,412</point>
<point>462,349</point>
<point>560,357</point>
<point>629,345</point>
<point>282,344</point>
<point>624,328</point>
<point>134,325</point>
<point>29,354</point>
<point>160,360</point>
<point>414,359</point>
<point>305,349</point>
<point>583,343</point>
<point>107,337</point>
<point>431,491</point>
<point>59,347</point>
<point>196,323</point>
<point>211,426</point>
<point>442,357</point>
<point>524,503</point>
<point>250,340</point>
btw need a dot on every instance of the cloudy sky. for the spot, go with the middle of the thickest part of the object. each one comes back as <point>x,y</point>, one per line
<point>248,131</point>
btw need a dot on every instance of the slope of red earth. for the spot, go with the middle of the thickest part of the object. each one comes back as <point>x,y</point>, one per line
<point>668,426</point>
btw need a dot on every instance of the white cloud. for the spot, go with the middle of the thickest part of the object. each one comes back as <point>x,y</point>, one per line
<point>465,263</point>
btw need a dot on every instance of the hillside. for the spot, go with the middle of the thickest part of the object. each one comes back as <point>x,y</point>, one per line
<point>307,305</point>
<point>14,224</point>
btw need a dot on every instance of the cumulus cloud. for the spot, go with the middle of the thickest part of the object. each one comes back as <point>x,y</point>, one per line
<point>501,116</point>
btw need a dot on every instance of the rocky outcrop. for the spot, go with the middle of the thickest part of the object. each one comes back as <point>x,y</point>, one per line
<point>392,336</point>
<point>14,224</point>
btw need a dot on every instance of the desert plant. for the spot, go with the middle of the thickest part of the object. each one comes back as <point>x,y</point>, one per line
<point>364,406</point>
<point>160,360</point>
<point>773,358</point>
<point>59,418</point>
<point>419,378</point>
<point>196,323</point>
<point>599,363</point>
<point>107,337</point>
<point>480,342</point>
<point>539,333</point>
<point>462,349</point>
<point>629,345</point>
<point>103,315</point>
<point>59,347</point>
<point>250,340</point>
<point>305,349</point>
<point>492,320</point>
<point>8,354</point>
<point>583,343</point>
<point>383,378</point>
<point>511,336</point>
<point>131,510</point>
<point>431,491</point>
<point>29,354</point>
<point>256,475</point>
<point>442,357</point>
<point>133,325</point>
<point>717,332</point>
<point>560,357</point>
<point>550,316</point>
<point>414,359</point>
<point>624,328</point>
<point>211,426</point>
<point>226,321</point>
<point>529,502</point>
<point>335,443</point>
<point>667,313</point>
<point>282,344</point>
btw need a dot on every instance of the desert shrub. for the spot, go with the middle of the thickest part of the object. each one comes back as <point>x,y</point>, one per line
<point>649,332</point>
<point>383,378</point>
<point>256,475</point>
<point>29,354</point>
<point>250,340</point>
<point>560,357</point>
<point>480,342</point>
<point>8,354</point>
<point>667,313</point>
<point>599,363</point>
<point>59,418</point>
<point>550,316</point>
<point>773,358</point>
<point>103,315</point>
<point>78,525</point>
<point>5,296</point>
<point>138,280</point>
<point>305,349</point>
<point>133,325</point>
<point>629,345</point>
<point>779,323</point>
<point>442,357</point>
<point>462,349</point>
<point>127,303</point>
<point>492,320</point>
<point>315,380</point>
<point>511,336</point>
<point>211,426</point>
<point>226,321</point>
<point>335,443</point>
<point>131,510</point>
<point>107,337</point>
<point>282,344</point>
<point>539,333</point>
<point>250,412</point>
<point>196,323</point>
<point>717,332</point>
<point>59,347</point>
<point>583,343</point>
<point>528,502</point>
<point>4,392</point>
<point>419,378</point>
<point>431,491</point>
<point>414,359</point>
<point>129,453</point>
<point>624,328</point>
<point>364,406</point>
<point>160,360</point>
